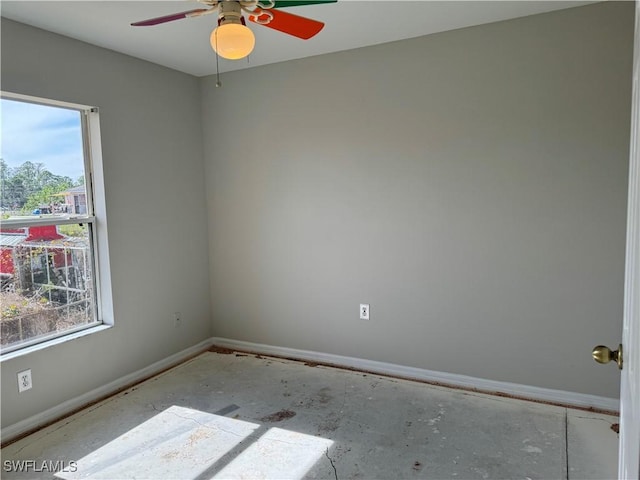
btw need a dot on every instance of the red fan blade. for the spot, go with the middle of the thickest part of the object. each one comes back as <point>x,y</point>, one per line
<point>169,18</point>
<point>286,22</point>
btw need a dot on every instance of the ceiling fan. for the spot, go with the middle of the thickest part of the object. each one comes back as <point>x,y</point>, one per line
<point>232,39</point>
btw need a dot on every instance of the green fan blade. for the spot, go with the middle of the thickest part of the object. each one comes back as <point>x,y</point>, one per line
<point>295,3</point>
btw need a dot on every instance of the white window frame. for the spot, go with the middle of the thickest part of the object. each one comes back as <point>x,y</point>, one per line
<point>95,218</point>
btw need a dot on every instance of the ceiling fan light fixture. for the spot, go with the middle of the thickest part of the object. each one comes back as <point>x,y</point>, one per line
<point>232,41</point>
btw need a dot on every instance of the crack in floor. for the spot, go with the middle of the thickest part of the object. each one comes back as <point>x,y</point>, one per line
<point>335,472</point>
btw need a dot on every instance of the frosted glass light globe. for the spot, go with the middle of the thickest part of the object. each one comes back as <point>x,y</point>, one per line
<point>233,41</point>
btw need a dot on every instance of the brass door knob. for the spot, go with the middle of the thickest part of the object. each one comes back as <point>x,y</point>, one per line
<point>602,354</point>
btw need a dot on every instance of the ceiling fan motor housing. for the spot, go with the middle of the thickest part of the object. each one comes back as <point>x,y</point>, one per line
<point>230,12</point>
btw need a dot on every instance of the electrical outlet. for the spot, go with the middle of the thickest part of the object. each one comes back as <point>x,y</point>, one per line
<point>364,311</point>
<point>177,319</point>
<point>24,381</point>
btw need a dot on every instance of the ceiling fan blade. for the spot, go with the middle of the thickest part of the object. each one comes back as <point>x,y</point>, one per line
<point>295,3</point>
<point>286,22</point>
<point>169,18</point>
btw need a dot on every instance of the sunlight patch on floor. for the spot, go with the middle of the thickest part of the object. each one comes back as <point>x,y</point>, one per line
<point>176,443</point>
<point>277,454</point>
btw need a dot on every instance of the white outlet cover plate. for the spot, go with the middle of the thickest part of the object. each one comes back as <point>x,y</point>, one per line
<point>364,311</point>
<point>24,381</point>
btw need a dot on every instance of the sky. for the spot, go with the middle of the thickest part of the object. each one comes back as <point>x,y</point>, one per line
<point>41,134</point>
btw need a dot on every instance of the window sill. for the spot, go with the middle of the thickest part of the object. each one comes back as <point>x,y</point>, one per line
<point>55,341</point>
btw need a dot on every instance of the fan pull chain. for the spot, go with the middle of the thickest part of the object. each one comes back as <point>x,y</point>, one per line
<point>218,82</point>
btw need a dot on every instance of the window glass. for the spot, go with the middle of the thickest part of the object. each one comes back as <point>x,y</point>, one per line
<point>47,230</point>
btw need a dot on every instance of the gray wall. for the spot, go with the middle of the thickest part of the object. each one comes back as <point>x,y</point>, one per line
<point>156,212</point>
<point>470,185</point>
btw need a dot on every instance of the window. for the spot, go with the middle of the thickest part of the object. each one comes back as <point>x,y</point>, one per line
<point>48,229</point>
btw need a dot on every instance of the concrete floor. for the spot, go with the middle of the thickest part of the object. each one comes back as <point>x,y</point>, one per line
<point>243,416</point>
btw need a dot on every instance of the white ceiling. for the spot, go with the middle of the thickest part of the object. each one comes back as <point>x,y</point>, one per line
<point>184,44</point>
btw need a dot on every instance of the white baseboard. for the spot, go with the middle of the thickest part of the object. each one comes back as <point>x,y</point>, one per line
<point>559,397</point>
<point>55,413</point>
